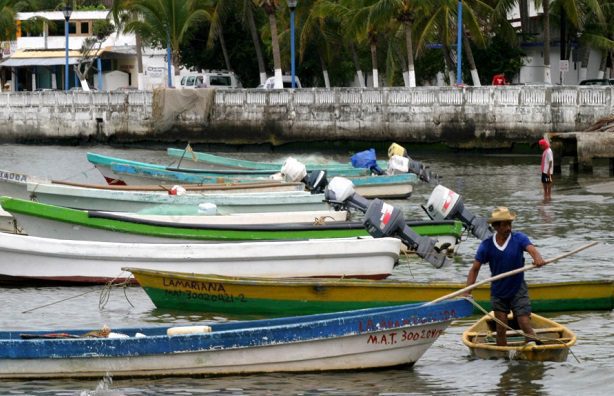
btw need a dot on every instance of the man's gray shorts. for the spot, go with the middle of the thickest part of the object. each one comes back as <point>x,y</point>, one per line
<point>520,304</point>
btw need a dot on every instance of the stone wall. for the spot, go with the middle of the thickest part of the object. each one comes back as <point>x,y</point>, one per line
<point>469,117</point>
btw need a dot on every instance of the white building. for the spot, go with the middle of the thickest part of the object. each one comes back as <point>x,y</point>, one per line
<point>36,60</point>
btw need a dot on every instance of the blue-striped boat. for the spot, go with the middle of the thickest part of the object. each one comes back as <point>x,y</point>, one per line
<point>206,160</point>
<point>383,187</point>
<point>361,339</point>
<point>104,164</point>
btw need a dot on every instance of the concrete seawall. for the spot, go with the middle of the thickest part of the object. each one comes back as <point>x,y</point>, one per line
<point>484,117</point>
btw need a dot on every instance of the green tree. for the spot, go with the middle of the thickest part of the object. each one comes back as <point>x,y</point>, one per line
<point>165,23</point>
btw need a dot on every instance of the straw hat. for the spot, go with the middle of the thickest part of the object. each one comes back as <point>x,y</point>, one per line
<point>501,214</point>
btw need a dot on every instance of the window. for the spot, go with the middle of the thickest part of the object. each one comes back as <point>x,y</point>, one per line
<point>72,27</point>
<point>85,27</point>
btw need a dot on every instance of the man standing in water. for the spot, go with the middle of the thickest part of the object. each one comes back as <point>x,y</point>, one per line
<point>505,252</point>
<point>547,166</point>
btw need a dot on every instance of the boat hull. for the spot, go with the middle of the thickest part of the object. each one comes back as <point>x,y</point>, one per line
<point>162,203</point>
<point>554,340</point>
<point>277,297</point>
<point>364,339</point>
<point>52,221</point>
<point>30,259</point>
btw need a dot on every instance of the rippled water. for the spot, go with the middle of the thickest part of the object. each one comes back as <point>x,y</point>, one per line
<point>574,217</point>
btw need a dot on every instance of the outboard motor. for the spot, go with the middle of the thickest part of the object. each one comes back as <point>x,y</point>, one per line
<point>383,220</point>
<point>445,204</point>
<point>316,181</point>
<point>366,159</point>
<point>294,171</point>
<point>413,166</point>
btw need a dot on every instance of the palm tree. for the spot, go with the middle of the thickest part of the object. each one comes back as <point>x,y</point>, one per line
<point>8,12</point>
<point>165,23</point>
<point>404,12</point>
<point>322,31</point>
<point>120,14</point>
<point>251,23</point>
<point>270,8</point>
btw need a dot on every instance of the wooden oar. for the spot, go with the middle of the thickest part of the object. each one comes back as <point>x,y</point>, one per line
<point>509,273</point>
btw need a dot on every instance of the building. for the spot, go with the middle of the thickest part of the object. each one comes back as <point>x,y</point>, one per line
<point>36,60</point>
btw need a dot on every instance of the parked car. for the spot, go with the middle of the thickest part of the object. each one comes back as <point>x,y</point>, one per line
<point>211,79</point>
<point>598,81</point>
<point>287,81</point>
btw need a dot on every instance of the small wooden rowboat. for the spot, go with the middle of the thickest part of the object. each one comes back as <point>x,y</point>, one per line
<point>554,340</point>
<point>363,339</point>
<point>277,297</point>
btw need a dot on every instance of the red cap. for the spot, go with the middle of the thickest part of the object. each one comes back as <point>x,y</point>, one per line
<point>543,143</point>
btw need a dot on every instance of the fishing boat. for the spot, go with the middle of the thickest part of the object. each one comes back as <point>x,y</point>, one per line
<point>278,297</point>
<point>14,184</point>
<point>207,160</point>
<point>350,340</point>
<point>36,260</point>
<point>163,203</point>
<point>382,186</point>
<point>553,340</point>
<point>105,163</point>
<point>43,220</point>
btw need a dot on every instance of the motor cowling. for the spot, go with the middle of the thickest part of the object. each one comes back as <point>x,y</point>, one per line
<point>384,220</point>
<point>397,165</point>
<point>293,170</point>
<point>316,181</point>
<point>445,204</point>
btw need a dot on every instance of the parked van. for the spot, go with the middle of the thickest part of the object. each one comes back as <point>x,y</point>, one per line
<point>211,79</point>
<point>287,81</point>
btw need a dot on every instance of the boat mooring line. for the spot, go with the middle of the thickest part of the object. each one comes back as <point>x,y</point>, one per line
<point>57,302</point>
<point>105,294</point>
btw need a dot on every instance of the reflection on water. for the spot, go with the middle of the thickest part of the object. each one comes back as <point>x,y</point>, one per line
<point>522,378</point>
<point>575,215</point>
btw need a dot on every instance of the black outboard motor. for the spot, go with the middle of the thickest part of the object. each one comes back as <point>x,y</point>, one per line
<point>383,220</point>
<point>316,181</point>
<point>445,204</point>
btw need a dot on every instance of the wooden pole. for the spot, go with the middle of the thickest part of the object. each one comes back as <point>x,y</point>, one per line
<point>509,273</point>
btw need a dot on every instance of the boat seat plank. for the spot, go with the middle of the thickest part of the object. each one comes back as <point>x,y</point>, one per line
<point>515,332</point>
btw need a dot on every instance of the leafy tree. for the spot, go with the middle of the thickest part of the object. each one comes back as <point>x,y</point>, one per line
<point>90,49</point>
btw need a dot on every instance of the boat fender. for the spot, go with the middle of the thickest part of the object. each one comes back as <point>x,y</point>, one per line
<point>176,190</point>
<point>277,176</point>
<point>207,209</point>
<point>185,330</point>
<point>117,335</point>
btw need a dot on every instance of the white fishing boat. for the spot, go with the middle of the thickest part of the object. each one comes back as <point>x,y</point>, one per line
<point>34,259</point>
<point>361,339</point>
<point>165,203</point>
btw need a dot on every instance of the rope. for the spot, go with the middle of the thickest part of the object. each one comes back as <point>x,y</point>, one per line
<point>322,220</point>
<point>518,331</point>
<point>57,302</point>
<point>105,293</point>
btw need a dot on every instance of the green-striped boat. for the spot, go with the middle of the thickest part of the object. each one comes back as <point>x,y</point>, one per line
<point>59,222</point>
<point>277,297</point>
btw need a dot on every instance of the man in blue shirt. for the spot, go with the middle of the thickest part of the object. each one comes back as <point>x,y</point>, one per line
<point>505,252</point>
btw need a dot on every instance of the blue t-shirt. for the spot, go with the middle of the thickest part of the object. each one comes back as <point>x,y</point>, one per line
<point>500,261</point>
